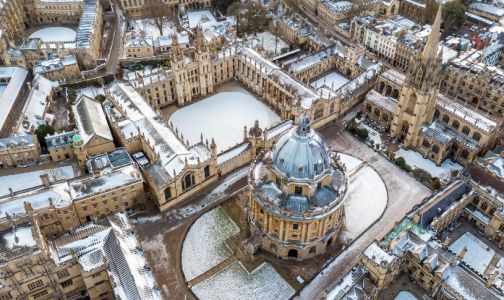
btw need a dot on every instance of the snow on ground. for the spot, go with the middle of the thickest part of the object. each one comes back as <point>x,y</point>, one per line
<point>91,91</point>
<point>333,81</point>
<point>416,160</point>
<point>350,162</point>
<point>151,30</point>
<point>478,254</point>
<point>215,195</point>
<point>28,180</point>
<point>268,41</point>
<point>365,199</point>
<point>55,34</point>
<point>404,295</point>
<point>222,117</point>
<point>205,244</point>
<point>235,283</point>
<point>373,135</point>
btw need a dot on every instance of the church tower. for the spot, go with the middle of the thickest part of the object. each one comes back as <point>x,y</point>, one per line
<point>180,74</point>
<point>202,57</point>
<point>418,95</point>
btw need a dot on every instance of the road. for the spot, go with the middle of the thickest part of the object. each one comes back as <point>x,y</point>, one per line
<point>404,193</point>
<point>115,54</point>
<point>323,24</point>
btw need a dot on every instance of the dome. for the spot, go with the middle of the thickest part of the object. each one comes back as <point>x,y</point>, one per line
<point>301,153</point>
<point>76,138</point>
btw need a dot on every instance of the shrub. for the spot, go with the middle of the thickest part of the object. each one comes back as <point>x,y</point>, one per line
<point>361,133</point>
<point>436,184</point>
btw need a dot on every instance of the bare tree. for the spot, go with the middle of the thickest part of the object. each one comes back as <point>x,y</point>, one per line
<point>159,12</point>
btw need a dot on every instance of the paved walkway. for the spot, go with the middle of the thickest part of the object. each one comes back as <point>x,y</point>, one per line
<point>403,192</point>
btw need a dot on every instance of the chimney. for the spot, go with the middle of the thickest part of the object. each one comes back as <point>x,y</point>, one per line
<point>462,253</point>
<point>45,180</point>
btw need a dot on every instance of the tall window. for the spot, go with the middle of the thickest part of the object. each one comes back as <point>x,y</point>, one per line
<point>167,193</point>
<point>207,171</point>
<point>298,190</point>
<point>188,181</point>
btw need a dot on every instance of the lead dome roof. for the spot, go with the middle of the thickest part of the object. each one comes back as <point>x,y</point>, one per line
<point>301,153</point>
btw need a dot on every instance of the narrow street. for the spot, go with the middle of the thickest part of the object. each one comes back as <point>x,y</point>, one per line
<point>113,62</point>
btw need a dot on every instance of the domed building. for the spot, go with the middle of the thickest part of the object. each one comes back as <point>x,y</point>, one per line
<point>296,195</point>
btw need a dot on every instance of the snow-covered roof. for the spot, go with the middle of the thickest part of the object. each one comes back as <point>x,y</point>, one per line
<point>54,64</point>
<point>305,94</point>
<point>16,242</point>
<point>387,103</point>
<point>378,255</point>
<point>87,24</point>
<point>173,153</point>
<point>60,140</point>
<point>305,62</point>
<point>17,142</point>
<point>90,119</point>
<point>487,8</point>
<point>113,242</point>
<point>33,113</point>
<point>472,117</point>
<point>86,186</point>
<point>15,78</point>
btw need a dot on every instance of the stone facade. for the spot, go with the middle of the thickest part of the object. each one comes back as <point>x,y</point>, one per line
<point>296,210</point>
<point>20,150</point>
<point>423,118</point>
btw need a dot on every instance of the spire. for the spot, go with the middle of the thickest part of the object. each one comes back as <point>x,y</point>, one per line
<point>431,47</point>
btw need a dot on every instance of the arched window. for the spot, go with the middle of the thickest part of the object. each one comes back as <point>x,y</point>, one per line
<point>435,149</point>
<point>476,136</point>
<point>446,119</point>
<point>405,127</point>
<point>426,143</point>
<point>331,109</point>
<point>188,181</point>
<point>466,130</point>
<point>368,107</point>
<point>456,124</point>
<point>207,171</point>
<point>319,113</point>
<point>382,87</point>
<point>436,114</point>
<point>385,117</point>
<point>377,112</point>
<point>395,94</point>
<point>389,90</point>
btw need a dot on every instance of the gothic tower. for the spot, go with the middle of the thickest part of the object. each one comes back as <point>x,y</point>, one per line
<point>180,74</point>
<point>202,57</point>
<point>418,95</point>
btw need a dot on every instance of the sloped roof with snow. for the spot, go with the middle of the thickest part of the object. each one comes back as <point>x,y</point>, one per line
<point>472,117</point>
<point>114,242</point>
<point>33,113</point>
<point>173,153</point>
<point>90,119</point>
<point>16,78</point>
<point>87,24</point>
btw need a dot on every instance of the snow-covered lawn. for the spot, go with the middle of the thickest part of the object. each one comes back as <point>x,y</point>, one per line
<point>151,30</point>
<point>222,117</point>
<point>333,81</point>
<point>404,295</point>
<point>55,34</point>
<point>416,160</point>
<point>28,180</point>
<point>235,283</point>
<point>268,41</point>
<point>205,243</point>
<point>478,254</point>
<point>365,199</point>
<point>200,17</point>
